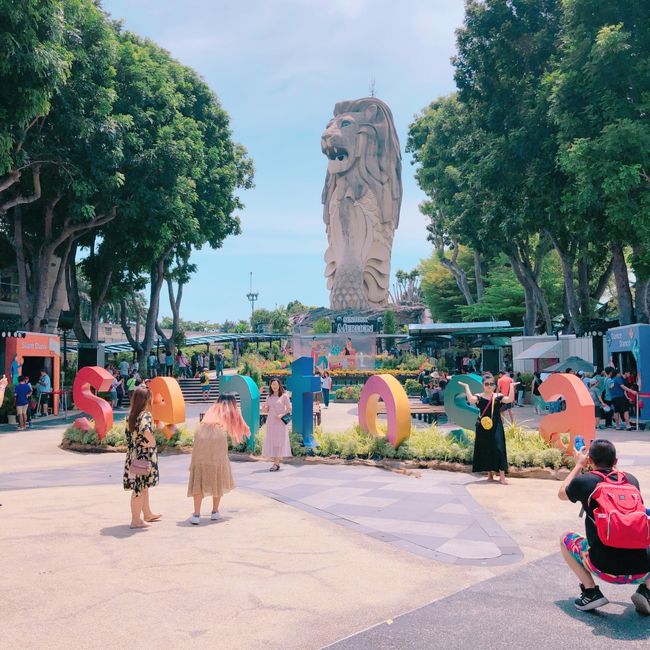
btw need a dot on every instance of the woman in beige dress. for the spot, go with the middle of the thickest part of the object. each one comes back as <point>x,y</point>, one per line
<point>210,473</point>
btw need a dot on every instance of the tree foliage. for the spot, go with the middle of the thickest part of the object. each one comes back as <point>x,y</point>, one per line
<point>133,166</point>
<point>541,154</point>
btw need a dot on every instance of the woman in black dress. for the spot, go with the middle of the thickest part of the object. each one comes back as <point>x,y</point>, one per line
<point>490,445</point>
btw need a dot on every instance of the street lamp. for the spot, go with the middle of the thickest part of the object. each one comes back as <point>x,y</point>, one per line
<point>252,298</point>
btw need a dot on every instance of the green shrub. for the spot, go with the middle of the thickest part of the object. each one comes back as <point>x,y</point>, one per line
<point>348,392</point>
<point>116,437</point>
<point>412,387</point>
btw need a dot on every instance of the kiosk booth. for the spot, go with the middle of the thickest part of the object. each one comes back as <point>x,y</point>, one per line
<point>628,347</point>
<point>37,352</point>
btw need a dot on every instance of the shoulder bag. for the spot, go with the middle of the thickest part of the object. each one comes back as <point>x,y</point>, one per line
<point>488,422</point>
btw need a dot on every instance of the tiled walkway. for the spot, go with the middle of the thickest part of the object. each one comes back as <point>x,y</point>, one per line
<point>432,516</point>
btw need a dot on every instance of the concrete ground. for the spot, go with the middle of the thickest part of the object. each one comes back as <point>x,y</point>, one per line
<point>283,569</point>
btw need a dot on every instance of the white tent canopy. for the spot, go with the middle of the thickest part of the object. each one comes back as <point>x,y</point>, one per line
<point>543,350</point>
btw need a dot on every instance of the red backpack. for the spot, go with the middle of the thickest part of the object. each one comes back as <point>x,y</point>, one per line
<point>620,516</point>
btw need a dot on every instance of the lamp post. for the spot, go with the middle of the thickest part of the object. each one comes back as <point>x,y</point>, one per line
<point>252,298</point>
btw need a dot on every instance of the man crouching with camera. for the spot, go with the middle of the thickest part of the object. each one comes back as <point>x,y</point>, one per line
<point>617,528</point>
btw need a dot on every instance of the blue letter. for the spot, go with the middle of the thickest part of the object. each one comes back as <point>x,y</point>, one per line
<point>303,384</point>
<point>249,395</point>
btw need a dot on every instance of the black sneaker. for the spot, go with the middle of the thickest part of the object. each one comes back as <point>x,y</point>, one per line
<point>590,599</point>
<point>641,600</point>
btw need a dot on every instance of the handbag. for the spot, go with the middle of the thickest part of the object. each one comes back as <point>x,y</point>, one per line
<point>139,467</point>
<point>487,422</point>
<point>286,418</point>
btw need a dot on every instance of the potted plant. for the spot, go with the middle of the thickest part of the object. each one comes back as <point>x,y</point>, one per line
<point>8,408</point>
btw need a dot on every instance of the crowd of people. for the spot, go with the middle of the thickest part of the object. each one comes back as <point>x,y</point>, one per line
<point>182,366</point>
<point>615,396</point>
<point>30,399</point>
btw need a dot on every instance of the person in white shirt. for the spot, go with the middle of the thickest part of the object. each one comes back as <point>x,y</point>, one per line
<point>326,387</point>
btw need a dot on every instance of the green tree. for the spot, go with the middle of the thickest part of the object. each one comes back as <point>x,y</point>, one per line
<point>441,293</point>
<point>34,64</point>
<point>81,142</point>
<point>600,103</point>
<point>280,321</point>
<point>322,326</point>
<point>261,317</point>
<point>182,171</point>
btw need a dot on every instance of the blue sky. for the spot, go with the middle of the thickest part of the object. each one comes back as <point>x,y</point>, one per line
<point>278,67</point>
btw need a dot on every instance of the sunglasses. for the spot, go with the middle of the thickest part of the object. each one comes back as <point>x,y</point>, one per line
<point>489,383</point>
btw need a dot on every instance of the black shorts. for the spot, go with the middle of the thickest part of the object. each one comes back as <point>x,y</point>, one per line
<point>506,407</point>
<point>620,405</point>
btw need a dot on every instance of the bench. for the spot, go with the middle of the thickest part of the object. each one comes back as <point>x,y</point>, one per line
<point>427,412</point>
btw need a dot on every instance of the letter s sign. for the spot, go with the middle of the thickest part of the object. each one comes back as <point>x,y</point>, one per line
<point>99,409</point>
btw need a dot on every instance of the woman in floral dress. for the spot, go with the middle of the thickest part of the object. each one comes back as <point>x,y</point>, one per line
<point>141,446</point>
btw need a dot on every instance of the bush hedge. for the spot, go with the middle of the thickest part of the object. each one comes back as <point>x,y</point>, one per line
<point>525,447</point>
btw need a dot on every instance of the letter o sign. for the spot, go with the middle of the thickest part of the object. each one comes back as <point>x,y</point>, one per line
<point>398,410</point>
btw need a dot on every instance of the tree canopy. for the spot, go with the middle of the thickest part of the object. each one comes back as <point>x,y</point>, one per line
<point>133,166</point>
<point>541,152</point>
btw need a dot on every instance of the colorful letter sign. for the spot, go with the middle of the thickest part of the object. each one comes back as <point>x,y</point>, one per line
<point>99,409</point>
<point>578,419</point>
<point>303,384</point>
<point>249,396</point>
<point>398,411</point>
<point>167,403</point>
<point>456,406</point>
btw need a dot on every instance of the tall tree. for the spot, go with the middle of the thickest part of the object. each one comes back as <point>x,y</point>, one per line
<point>600,103</point>
<point>182,169</point>
<point>504,52</point>
<point>77,148</point>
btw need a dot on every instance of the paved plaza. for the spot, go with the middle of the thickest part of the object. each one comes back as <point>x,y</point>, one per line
<point>314,555</point>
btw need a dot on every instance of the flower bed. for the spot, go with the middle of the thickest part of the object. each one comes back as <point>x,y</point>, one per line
<point>428,447</point>
<point>115,439</point>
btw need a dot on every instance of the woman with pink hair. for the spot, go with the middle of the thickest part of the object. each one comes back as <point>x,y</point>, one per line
<point>210,472</point>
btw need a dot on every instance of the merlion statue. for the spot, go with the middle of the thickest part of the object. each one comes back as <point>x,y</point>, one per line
<point>361,202</point>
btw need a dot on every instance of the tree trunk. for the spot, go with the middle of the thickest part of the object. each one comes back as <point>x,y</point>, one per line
<point>98,303</point>
<point>641,289</point>
<point>602,283</point>
<point>72,289</point>
<point>461,278</point>
<point>584,295</point>
<point>453,267</point>
<point>41,301</point>
<point>142,348</point>
<point>478,276</point>
<point>623,291</point>
<point>567,260</point>
<point>530,317</point>
<point>642,292</point>
<point>24,296</point>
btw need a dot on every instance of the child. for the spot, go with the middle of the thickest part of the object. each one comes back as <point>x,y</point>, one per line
<point>204,380</point>
<point>23,393</point>
<point>210,473</point>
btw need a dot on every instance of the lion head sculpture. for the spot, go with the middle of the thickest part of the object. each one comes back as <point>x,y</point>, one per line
<point>361,202</point>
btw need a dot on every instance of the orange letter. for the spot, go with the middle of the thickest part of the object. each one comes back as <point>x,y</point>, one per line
<point>579,418</point>
<point>398,411</point>
<point>99,409</point>
<point>167,403</point>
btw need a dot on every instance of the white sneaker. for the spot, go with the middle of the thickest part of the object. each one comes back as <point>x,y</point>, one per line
<point>195,520</point>
<point>215,516</point>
